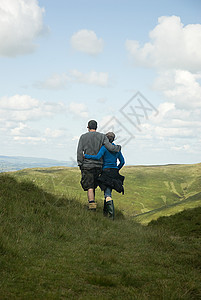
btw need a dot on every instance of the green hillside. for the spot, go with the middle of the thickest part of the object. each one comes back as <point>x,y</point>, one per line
<point>185,223</point>
<point>150,192</point>
<point>51,247</point>
<point>171,209</point>
<point>163,190</point>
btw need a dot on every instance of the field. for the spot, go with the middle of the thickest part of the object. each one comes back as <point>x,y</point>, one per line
<point>150,192</point>
<point>51,247</point>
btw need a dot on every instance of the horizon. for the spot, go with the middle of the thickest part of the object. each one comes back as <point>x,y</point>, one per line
<point>67,161</point>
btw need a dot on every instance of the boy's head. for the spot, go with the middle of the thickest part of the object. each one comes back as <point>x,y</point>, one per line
<point>110,136</point>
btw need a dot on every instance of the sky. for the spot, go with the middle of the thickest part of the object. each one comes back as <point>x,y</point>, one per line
<point>133,66</point>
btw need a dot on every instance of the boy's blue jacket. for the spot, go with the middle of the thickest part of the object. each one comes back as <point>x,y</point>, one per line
<point>109,158</point>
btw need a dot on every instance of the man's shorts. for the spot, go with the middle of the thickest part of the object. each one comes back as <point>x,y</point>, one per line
<point>89,178</point>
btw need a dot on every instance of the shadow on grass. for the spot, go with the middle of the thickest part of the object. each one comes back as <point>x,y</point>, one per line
<point>27,193</point>
<point>186,223</point>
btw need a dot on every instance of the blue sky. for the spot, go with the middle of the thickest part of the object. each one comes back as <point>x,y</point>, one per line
<point>66,62</point>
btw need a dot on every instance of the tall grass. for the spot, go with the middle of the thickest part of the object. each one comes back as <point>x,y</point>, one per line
<point>51,247</point>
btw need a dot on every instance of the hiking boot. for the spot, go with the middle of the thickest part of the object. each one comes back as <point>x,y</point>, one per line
<point>105,212</point>
<point>92,206</point>
<point>110,208</point>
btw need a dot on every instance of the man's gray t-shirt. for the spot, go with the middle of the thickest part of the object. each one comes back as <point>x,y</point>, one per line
<point>90,143</point>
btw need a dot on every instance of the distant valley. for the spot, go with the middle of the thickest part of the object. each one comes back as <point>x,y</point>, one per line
<point>16,163</point>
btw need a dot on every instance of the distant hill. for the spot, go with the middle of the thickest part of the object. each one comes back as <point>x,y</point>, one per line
<point>150,192</point>
<point>15,163</point>
<point>161,190</point>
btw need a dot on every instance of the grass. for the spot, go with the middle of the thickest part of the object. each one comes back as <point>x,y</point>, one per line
<point>150,192</point>
<point>185,223</point>
<point>168,210</point>
<point>150,188</point>
<point>51,247</point>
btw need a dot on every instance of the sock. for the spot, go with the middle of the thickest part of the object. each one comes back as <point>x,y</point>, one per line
<point>108,199</point>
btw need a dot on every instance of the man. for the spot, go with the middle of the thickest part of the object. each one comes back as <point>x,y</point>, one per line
<point>90,143</point>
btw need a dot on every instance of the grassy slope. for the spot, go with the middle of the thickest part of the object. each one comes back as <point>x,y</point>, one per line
<point>189,203</point>
<point>150,192</point>
<point>185,223</point>
<point>162,186</point>
<point>52,248</point>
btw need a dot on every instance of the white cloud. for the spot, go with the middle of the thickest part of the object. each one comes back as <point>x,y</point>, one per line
<point>18,115</point>
<point>93,78</point>
<point>30,139</point>
<point>23,130</point>
<point>173,132</point>
<point>61,81</point>
<point>181,87</point>
<point>86,41</point>
<point>172,46</point>
<point>54,82</point>
<point>75,138</point>
<point>18,102</point>
<point>20,23</point>
<point>56,133</point>
<point>172,125</point>
<point>20,108</point>
<point>107,119</point>
<point>164,108</point>
<point>183,147</point>
<point>78,109</point>
<point>174,51</point>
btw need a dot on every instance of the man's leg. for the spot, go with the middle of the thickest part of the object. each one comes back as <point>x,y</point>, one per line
<point>91,191</point>
<point>91,199</point>
<point>87,181</point>
<point>91,196</point>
